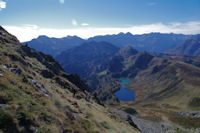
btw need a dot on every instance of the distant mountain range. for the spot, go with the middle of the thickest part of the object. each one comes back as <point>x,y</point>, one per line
<point>190,47</point>
<point>152,42</point>
<point>54,46</point>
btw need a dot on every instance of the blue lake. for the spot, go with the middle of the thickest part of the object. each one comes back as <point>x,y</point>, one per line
<point>125,94</point>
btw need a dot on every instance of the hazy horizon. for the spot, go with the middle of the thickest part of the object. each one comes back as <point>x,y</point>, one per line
<point>60,18</point>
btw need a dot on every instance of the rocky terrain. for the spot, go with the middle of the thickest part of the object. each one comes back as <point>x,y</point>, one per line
<point>37,96</point>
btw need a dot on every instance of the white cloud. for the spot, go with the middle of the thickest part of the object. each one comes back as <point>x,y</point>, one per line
<point>28,32</point>
<point>74,22</point>
<point>62,1</point>
<point>84,24</point>
<point>2,4</point>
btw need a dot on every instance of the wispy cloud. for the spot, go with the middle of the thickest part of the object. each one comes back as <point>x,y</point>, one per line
<point>2,5</point>
<point>74,22</point>
<point>28,32</point>
<point>84,24</point>
<point>151,3</point>
<point>62,1</point>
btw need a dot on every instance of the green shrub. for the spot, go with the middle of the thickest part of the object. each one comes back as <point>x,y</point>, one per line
<point>105,125</point>
<point>44,130</point>
<point>48,118</point>
<point>130,111</point>
<point>24,78</point>
<point>7,124</point>
<point>195,102</point>
<point>86,125</point>
<point>58,104</point>
<point>5,98</point>
<point>26,119</point>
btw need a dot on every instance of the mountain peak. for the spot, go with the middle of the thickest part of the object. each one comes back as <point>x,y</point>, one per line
<point>69,36</point>
<point>42,37</point>
<point>129,33</point>
<point>125,34</point>
<point>127,51</point>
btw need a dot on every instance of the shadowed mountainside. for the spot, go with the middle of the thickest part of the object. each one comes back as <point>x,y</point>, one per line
<point>86,58</point>
<point>190,47</point>
<point>54,46</point>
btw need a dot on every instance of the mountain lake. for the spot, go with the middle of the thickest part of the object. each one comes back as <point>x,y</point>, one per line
<point>125,94</point>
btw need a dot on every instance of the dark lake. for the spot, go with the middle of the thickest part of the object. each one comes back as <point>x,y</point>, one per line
<point>125,94</point>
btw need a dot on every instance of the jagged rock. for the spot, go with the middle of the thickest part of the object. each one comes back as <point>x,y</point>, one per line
<point>39,87</point>
<point>15,70</point>
<point>3,105</point>
<point>74,78</point>
<point>47,74</point>
<point>4,67</point>
<point>130,121</point>
<point>192,114</point>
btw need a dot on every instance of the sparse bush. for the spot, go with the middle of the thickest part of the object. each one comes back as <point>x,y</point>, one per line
<point>4,98</point>
<point>24,78</point>
<point>86,125</point>
<point>105,125</point>
<point>195,102</point>
<point>130,111</point>
<point>26,119</point>
<point>7,124</point>
<point>44,130</point>
<point>58,104</point>
<point>47,118</point>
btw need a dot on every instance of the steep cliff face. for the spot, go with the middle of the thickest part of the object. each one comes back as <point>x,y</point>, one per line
<point>36,95</point>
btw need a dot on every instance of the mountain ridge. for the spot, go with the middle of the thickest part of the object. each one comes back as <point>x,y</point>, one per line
<point>190,47</point>
<point>152,42</point>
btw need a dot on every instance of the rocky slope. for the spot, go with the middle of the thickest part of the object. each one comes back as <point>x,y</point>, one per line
<point>36,95</point>
<point>190,47</point>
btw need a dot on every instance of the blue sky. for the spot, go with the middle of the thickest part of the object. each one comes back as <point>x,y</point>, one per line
<point>29,18</point>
